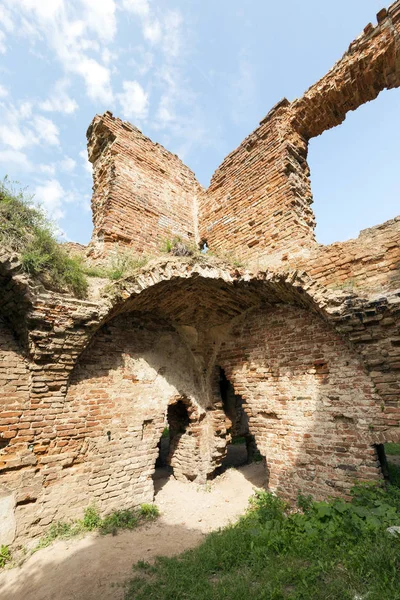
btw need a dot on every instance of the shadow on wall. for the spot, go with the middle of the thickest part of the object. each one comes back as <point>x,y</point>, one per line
<point>311,405</point>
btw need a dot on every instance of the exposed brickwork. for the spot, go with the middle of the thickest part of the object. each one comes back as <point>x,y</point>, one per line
<point>308,335</point>
<point>142,193</point>
<point>370,262</point>
<point>309,400</point>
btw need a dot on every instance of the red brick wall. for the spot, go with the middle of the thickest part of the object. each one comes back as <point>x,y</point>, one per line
<point>142,193</point>
<point>258,202</point>
<point>311,405</point>
<point>370,262</point>
<point>259,198</point>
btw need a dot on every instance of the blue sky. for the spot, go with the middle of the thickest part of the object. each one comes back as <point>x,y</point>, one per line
<point>196,76</point>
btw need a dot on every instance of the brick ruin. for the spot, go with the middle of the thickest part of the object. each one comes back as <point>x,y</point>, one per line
<point>306,336</point>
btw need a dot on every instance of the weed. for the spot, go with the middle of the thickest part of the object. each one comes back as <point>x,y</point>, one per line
<point>119,519</point>
<point>91,518</point>
<point>149,511</point>
<point>168,244</point>
<point>124,264</point>
<point>5,555</point>
<point>392,449</point>
<point>238,440</point>
<point>165,432</point>
<point>96,271</point>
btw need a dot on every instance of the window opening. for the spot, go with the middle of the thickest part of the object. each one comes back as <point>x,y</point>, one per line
<point>354,174</point>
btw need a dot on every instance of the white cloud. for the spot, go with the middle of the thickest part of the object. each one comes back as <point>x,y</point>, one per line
<point>47,169</point>
<point>50,196</point>
<point>6,20</point>
<point>138,7</point>
<point>59,100</point>
<point>15,158</point>
<point>3,91</point>
<point>97,79</point>
<point>172,41</point>
<point>3,47</point>
<point>71,31</point>
<point>46,130</point>
<point>86,164</point>
<point>134,100</point>
<point>45,10</point>
<point>12,130</point>
<point>67,164</point>
<point>244,90</point>
<point>152,31</point>
<point>100,17</point>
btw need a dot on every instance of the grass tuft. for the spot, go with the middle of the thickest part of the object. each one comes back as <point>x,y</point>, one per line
<point>5,556</point>
<point>112,523</point>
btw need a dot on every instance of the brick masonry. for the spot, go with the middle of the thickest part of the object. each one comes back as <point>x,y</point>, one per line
<point>308,335</point>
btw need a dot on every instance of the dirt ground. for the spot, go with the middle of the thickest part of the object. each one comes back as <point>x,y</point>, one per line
<point>95,567</point>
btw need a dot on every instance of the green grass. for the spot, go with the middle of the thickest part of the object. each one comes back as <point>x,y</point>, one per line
<point>25,229</point>
<point>121,265</point>
<point>392,449</point>
<point>5,555</point>
<point>112,523</point>
<point>333,550</point>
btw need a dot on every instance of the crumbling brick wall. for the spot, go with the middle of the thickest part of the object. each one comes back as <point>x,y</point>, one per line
<point>259,198</point>
<point>142,194</point>
<point>258,204</point>
<point>368,263</point>
<point>311,405</point>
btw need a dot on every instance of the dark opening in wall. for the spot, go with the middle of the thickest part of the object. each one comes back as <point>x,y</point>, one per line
<point>242,447</point>
<point>177,422</point>
<point>392,458</point>
<point>4,443</point>
<point>354,170</point>
<point>381,455</point>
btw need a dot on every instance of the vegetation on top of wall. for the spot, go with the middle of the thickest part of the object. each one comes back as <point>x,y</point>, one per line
<point>121,264</point>
<point>337,550</point>
<point>25,229</point>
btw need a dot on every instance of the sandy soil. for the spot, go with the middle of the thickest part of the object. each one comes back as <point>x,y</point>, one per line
<point>97,566</point>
